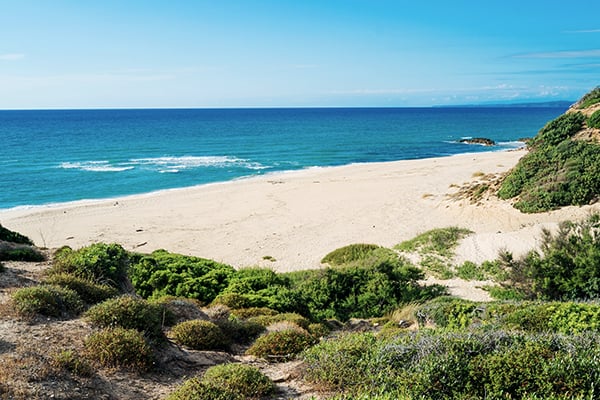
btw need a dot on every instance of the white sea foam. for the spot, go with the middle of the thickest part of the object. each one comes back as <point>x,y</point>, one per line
<point>164,164</point>
<point>95,166</point>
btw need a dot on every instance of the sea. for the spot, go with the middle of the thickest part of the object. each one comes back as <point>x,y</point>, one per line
<point>57,156</point>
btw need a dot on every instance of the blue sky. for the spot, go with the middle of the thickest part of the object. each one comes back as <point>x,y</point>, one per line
<point>220,53</point>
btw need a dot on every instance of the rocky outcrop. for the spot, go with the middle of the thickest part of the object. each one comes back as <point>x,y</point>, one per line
<point>478,140</point>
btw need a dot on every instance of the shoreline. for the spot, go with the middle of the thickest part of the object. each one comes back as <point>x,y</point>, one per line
<point>83,202</point>
<point>297,217</point>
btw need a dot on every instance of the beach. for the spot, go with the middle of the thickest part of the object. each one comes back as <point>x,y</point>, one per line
<point>289,221</point>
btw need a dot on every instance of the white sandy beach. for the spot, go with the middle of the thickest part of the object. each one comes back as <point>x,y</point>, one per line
<point>298,217</point>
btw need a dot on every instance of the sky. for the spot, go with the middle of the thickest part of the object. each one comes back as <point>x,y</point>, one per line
<point>296,53</point>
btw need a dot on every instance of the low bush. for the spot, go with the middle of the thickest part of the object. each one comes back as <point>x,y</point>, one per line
<point>567,268</point>
<point>180,309</point>
<point>48,300</point>
<point>195,389</point>
<point>441,241</point>
<point>199,335</point>
<point>350,253</point>
<point>343,363</point>
<point>594,120</point>
<point>120,348</point>
<point>100,262</point>
<point>458,365</point>
<point>266,320</point>
<point>240,331</point>
<point>244,380</point>
<point>449,312</point>
<point>14,237</point>
<point>20,252</point>
<point>589,99</point>
<point>245,313</point>
<point>130,313</point>
<point>162,273</point>
<point>90,292</point>
<point>470,271</point>
<point>281,345</point>
<point>68,360</point>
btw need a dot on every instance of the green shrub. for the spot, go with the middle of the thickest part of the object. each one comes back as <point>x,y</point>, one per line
<point>266,320</point>
<point>319,330</point>
<point>120,348</point>
<point>90,292</point>
<point>594,120</point>
<point>350,253</point>
<point>449,312</point>
<point>240,331</point>
<point>281,345</point>
<point>441,241</point>
<point>49,300</point>
<point>341,363</point>
<point>130,313</point>
<point>14,237</point>
<point>180,309</point>
<point>590,98</point>
<point>557,171</point>
<point>195,389</point>
<point>245,313</point>
<point>162,273</point>
<point>244,380</point>
<point>20,252</point>
<point>199,335</point>
<point>100,262</point>
<point>367,288</point>
<point>470,271</point>
<point>568,267</point>
<point>69,360</point>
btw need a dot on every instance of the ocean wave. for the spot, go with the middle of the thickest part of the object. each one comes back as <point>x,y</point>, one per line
<point>95,166</point>
<point>165,164</point>
<point>170,164</point>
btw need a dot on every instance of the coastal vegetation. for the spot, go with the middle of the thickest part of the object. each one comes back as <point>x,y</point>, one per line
<point>559,169</point>
<point>365,326</point>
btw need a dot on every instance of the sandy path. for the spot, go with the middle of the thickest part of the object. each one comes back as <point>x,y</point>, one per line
<point>298,217</point>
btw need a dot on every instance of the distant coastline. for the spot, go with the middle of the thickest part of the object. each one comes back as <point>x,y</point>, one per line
<point>542,104</point>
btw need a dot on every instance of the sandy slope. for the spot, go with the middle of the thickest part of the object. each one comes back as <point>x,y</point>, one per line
<point>298,217</point>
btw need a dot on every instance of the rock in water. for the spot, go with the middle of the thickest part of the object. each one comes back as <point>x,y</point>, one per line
<point>479,140</point>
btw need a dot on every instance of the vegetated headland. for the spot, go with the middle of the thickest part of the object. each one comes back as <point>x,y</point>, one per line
<point>475,276</point>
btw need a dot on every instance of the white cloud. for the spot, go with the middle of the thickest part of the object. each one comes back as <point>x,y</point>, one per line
<point>585,31</point>
<point>11,56</point>
<point>562,54</point>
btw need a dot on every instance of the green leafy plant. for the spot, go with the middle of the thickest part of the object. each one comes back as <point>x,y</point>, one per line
<point>558,171</point>
<point>49,300</point>
<point>100,262</point>
<point>350,253</point>
<point>281,345</point>
<point>567,268</point>
<point>195,389</point>
<point>73,362</point>
<point>441,241</point>
<point>130,313</point>
<point>199,335</point>
<point>594,120</point>
<point>162,273</point>
<point>590,98</point>
<point>243,380</point>
<point>20,252</point>
<point>120,348</point>
<point>14,237</point>
<point>90,292</point>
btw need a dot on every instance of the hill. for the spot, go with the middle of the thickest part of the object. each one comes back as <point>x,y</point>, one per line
<point>562,166</point>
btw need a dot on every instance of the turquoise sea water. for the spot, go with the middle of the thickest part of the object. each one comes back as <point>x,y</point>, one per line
<point>65,155</point>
